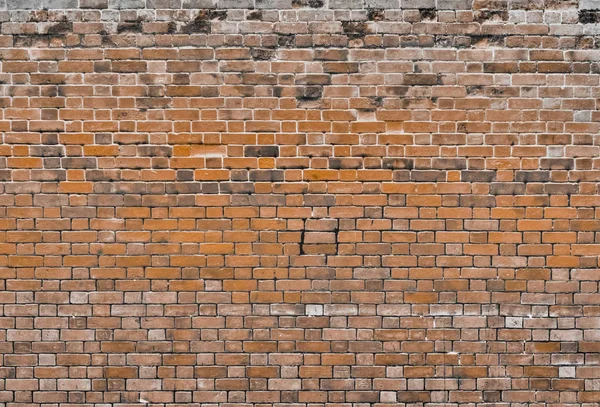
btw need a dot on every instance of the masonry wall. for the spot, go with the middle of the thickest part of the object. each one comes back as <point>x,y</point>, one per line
<point>308,203</point>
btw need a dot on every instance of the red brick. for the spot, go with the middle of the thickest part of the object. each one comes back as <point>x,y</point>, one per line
<point>328,204</point>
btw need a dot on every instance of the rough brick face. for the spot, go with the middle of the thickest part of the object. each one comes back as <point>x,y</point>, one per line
<point>300,203</point>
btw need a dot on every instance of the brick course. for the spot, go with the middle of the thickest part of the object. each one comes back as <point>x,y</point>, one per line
<point>309,203</point>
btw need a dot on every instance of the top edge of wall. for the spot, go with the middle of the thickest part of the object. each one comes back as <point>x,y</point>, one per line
<point>294,4</point>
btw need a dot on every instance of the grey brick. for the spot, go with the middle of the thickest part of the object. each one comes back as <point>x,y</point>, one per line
<point>557,163</point>
<point>589,4</point>
<point>267,200</point>
<point>397,163</point>
<point>24,187</point>
<point>5,175</point>
<point>103,175</point>
<point>349,4</point>
<point>449,163</point>
<point>192,4</point>
<point>582,116</point>
<point>417,4</point>
<point>23,4</point>
<point>319,200</point>
<point>50,200</point>
<point>266,175</point>
<point>261,151</point>
<point>93,4</point>
<point>127,4</point>
<point>235,4</point>
<point>478,176</point>
<point>60,4</point>
<point>454,4</point>
<point>477,201</point>
<point>79,162</point>
<point>532,176</point>
<point>183,188</point>
<point>155,151</point>
<point>427,176</point>
<point>560,188</point>
<point>385,4</point>
<point>507,188</point>
<point>163,4</point>
<point>274,4</point>
<point>237,187</point>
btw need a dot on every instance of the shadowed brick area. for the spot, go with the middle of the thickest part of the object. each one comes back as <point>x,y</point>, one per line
<point>299,203</point>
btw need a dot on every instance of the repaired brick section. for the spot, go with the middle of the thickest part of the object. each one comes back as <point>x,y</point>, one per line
<point>299,203</point>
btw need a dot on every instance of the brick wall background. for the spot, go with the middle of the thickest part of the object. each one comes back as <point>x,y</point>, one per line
<point>299,202</point>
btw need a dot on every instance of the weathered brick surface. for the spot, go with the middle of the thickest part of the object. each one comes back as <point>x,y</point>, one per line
<point>316,203</point>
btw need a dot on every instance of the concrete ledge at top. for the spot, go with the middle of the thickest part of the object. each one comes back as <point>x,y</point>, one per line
<point>237,4</point>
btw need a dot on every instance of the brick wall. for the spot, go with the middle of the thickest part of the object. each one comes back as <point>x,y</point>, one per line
<point>309,203</point>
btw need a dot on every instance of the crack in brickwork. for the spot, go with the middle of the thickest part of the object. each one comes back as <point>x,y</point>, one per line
<point>304,203</point>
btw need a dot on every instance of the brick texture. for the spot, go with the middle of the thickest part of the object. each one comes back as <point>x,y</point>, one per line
<point>304,203</point>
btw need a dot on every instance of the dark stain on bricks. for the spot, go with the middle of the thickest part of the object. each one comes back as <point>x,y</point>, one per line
<point>130,27</point>
<point>427,14</point>
<point>497,91</point>
<point>483,16</point>
<point>376,101</point>
<point>308,3</point>
<point>557,163</point>
<point>474,90</point>
<point>397,90</point>
<point>202,21</point>
<point>355,29</point>
<point>277,91</point>
<point>200,24</point>
<point>155,151</point>
<point>532,176</point>
<point>487,40</point>
<point>443,41</point>
<point>309,93</point>
<point>477,176</point>
<point>255,15</point>
<point>107,41</point>
<point>266,175</point>
<point>492,396</point>
<point>37,16</point>
<point>345,163</point>
<point>398,163</point>
<point>586,43</point>
<point>375,14</point>
<point>507,188</point>
<point>61,27</point>
<point>262,54</point>
<point>261,151</point>
<point>589,16</point>
<point>219,15</point>
<point>185,175</point>
<point>286,41</point>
